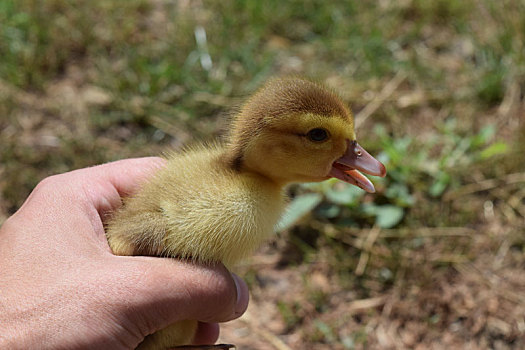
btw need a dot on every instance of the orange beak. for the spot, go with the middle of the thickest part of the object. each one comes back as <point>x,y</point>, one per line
<point>348,168</point>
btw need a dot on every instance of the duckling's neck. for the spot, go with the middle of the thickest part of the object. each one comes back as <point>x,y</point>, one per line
<point>235,160</point>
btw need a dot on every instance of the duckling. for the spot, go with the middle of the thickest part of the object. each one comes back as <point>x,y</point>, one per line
<point>219,202</point>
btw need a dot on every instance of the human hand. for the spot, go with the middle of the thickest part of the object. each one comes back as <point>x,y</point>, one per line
<point>61,287</point>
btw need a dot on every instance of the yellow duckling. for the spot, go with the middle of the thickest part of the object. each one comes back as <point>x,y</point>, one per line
<point>219,203</point>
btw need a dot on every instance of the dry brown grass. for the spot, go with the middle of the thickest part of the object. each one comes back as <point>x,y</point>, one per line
<point>451,274</point>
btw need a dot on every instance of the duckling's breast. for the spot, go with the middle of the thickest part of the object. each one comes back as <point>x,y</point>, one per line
<point>214,213</point>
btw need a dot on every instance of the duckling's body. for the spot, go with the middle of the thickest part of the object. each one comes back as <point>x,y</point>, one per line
<point>218,203</point>
<point>198,208</point>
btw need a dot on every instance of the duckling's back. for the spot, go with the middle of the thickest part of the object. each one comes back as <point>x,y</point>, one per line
<point>197,208</point>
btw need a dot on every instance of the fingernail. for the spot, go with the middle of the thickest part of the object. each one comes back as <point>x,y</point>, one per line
<point>242,295</point>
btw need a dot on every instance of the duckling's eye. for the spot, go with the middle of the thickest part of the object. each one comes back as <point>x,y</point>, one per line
<point>317,134</point>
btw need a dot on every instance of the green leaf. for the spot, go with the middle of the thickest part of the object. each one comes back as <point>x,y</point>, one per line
<point>388,216</point>
<point>484,135</point>
<point>495,149</point>
<point>400,194</point>
<point>299,207</point>
<point>440,184</point>
<point>345,196</point>
<point>328,210</point>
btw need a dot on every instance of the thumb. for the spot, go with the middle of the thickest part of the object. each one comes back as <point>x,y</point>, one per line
<point>164,291</point>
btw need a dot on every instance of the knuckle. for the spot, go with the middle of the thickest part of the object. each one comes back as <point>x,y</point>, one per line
<point>218,288</point>
<point>48,186</point>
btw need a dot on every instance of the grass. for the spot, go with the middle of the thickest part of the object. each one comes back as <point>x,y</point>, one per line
<point>438,90</point>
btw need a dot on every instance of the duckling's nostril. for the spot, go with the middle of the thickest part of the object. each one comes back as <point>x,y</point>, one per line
<point>357,149</point>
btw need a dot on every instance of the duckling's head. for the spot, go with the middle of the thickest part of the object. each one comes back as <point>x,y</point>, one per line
<point>294,130</point>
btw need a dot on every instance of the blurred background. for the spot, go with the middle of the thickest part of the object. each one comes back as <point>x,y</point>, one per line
<point>435,259</point>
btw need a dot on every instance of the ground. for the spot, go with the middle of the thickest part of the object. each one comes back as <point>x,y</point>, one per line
<point>434,260</point>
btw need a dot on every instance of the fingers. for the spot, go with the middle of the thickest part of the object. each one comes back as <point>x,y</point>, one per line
<point>106,184</point>
<point>102,185</point>
<point>207,333</point>
<point>90,192</point>
<point>167,290</point>
<point>243,296</point>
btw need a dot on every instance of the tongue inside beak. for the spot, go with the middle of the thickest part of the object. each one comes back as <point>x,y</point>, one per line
<point>348,168</point>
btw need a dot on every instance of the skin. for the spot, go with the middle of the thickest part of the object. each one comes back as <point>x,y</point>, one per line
<point>62,288</point>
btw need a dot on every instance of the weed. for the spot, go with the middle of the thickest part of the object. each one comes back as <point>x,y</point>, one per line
<point>87,82</point>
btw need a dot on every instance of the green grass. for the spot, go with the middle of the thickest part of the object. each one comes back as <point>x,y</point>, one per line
<point>87,82</point>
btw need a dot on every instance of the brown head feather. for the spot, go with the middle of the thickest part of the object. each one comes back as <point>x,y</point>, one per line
<point>293,95</point>
<point>280,97</point>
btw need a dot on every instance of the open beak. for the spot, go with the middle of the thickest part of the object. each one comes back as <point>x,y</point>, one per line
<point>348,168</point>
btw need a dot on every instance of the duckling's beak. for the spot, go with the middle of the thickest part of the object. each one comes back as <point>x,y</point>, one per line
<point>356,159</point>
